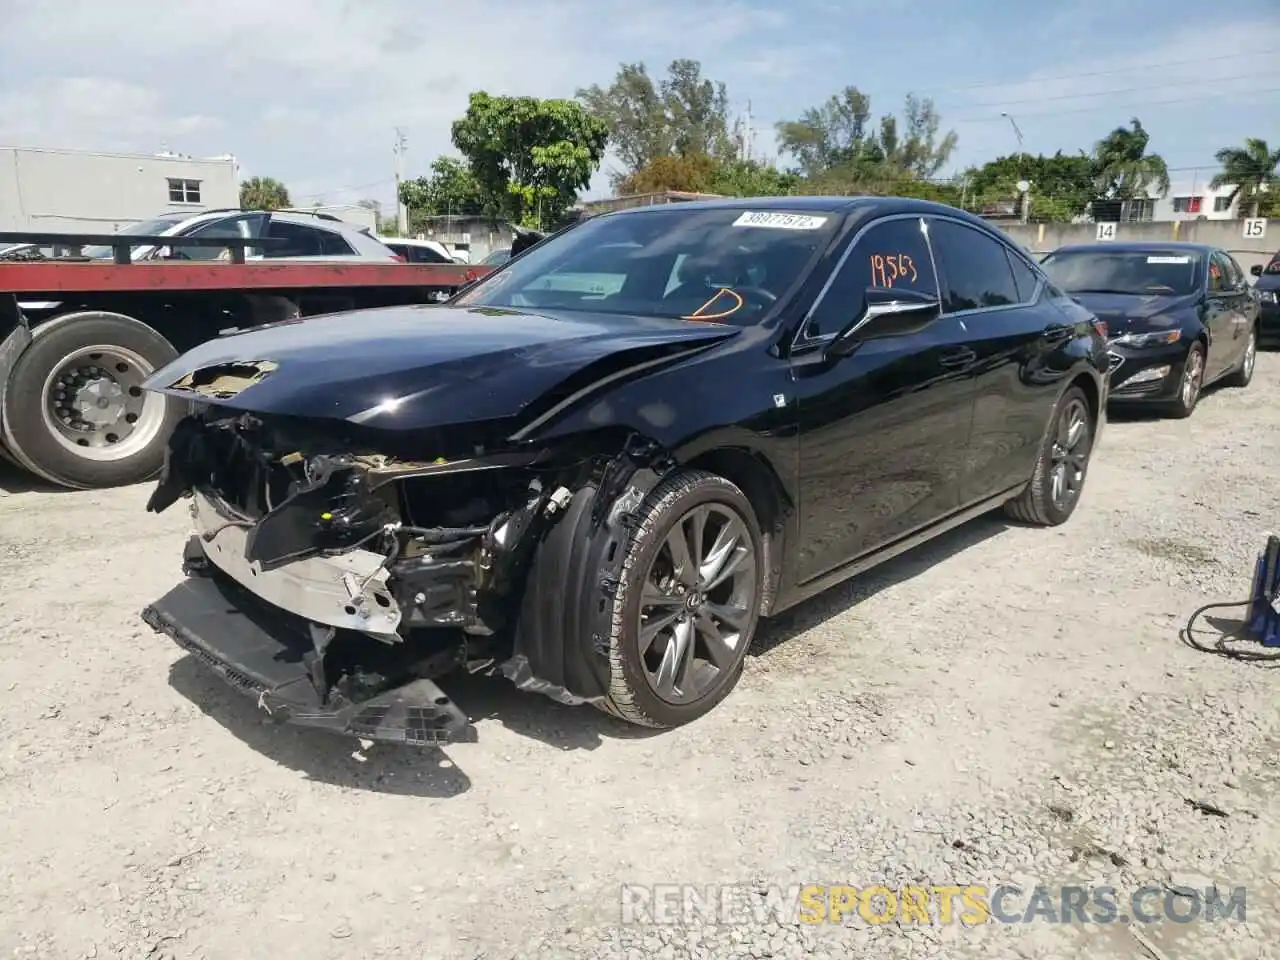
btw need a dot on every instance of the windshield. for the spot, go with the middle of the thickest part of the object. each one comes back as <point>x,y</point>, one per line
<point>722,264</point>
<point>1138,273</point>
<point>147,228</point>
<point>501,255</point>
<point>1274,266</point>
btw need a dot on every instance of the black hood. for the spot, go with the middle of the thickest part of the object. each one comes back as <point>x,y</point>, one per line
<point>1268,281</point>
<point>409,368</point>
<point>1137,313</point>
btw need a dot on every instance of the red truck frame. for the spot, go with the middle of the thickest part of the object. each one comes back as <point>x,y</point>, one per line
<point>78,338</point>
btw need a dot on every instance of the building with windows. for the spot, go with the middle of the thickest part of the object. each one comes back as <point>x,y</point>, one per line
<point>1196,200</point>
<point>78,191</point>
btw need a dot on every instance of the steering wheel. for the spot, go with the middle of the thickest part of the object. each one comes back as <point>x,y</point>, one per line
<point>768,297</point>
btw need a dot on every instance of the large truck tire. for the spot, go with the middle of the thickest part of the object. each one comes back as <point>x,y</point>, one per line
<point>74,409</point>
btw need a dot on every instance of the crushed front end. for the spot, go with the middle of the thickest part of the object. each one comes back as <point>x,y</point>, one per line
<point>335,586</point>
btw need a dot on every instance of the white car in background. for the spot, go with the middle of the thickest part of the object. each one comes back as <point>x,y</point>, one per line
<point>300,235</point>
<point>421,251</point>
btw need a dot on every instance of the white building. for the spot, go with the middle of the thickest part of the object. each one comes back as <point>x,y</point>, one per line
<point>77,191</point>
<point>1194,200</point>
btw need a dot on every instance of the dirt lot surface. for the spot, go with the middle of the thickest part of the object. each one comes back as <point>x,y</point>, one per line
<point>1005,706</point>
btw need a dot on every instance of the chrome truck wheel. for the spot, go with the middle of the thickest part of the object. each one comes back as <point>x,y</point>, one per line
<point>75,412</point>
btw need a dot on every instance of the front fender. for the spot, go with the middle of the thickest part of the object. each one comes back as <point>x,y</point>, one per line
<point>720,399</point>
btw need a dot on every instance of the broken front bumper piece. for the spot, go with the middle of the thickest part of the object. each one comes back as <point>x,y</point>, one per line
<point>269,632</point>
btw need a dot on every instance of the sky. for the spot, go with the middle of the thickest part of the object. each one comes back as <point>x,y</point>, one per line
<point>309,91</point>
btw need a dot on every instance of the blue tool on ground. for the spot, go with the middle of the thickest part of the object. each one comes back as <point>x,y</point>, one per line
<point>1261,621</point>
<point>1264,604</point>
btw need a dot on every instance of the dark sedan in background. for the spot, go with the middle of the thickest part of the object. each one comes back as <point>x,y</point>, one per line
<point>1268,289</point>
<point>1180,316</point>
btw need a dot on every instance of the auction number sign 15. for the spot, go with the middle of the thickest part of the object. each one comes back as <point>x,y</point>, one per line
<point>1106,231</point>
<point>1255,228</point>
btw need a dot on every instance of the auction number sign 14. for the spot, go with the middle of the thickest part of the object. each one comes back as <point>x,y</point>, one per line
<point>1255,228</point>
<point>1106,231</point>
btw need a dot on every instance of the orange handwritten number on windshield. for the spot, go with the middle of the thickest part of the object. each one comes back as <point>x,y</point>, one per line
<point>886,270</point>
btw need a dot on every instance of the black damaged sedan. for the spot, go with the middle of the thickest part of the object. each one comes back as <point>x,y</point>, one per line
<point>1180,316</point>
<point>595,471</point>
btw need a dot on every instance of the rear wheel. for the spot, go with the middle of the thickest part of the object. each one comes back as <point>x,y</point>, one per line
<point>1241,376</point>
<point>74,410</point>
<point>1051,496</point>
<point>1190,385</point>
<point>687,604</point>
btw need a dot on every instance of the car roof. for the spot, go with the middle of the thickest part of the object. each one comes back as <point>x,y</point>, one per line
<point>1137,246</point>
<point>861,207</point>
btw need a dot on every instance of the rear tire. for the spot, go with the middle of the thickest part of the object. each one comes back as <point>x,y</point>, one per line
<point>94,362</point>
<point>664,606</point>
<point>1241,376</point>
<point>1062,467</point>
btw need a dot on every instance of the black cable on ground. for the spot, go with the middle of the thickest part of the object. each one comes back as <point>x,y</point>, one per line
<point>1221,648</point>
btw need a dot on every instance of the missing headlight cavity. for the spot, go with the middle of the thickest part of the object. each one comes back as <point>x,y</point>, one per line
<point>435,560</point>
<point>225,380</point>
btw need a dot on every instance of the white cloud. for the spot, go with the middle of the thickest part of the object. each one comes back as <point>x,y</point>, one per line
<point>1176,82</point>
<point>309,90</point>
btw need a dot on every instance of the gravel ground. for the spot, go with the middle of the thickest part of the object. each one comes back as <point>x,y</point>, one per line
<point>1006,705</point>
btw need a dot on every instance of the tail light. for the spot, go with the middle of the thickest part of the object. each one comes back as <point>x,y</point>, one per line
<point>1101,327</point>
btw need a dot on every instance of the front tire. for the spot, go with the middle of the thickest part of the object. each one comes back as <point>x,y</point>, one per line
<point>1058,480</point>
<point>74,411</point>
<point>687,603</point>
<point>1190,385</point>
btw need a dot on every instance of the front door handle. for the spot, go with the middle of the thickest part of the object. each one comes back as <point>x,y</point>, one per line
<point>1057,332</point>
<point>958,357</point>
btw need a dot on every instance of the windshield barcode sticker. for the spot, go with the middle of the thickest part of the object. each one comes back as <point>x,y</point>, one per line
<point>1168,259</point>
<point>779,221</point>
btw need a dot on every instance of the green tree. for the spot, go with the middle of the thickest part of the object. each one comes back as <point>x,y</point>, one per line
<point>1253,171</point>
<point>263,193</point>
<point>836,144</point>
<point>1061,185</point>
<point>750,178</point>
<point>450,189</point>
<point>836,134</point>
<point>684,114</point>
<point>1123,170</point>
<point>530,157</point>
<point>700,173</point>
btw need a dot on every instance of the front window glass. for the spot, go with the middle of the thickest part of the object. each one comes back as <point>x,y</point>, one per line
<point>724,265</point>
<point>1132,272</point>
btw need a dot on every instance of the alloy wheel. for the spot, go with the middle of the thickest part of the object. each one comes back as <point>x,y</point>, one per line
<point>1250,354</point>
<point>1192,373</point>
<point>1069,454</point>
<point>695,604</point>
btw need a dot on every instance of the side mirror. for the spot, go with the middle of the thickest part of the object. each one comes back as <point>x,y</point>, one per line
<point>1256,269</point>
<point>889,313</point>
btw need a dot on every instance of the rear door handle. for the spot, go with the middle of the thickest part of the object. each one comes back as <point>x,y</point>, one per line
<point>958,357</point>
<point>1057,332</point>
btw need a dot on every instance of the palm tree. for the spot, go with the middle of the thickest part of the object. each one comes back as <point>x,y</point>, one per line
<point>1251,171</point>
<point>263,193</point>
<point>1123,169</point>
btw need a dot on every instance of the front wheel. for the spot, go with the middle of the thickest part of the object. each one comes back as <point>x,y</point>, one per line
<point>687,604</point>
<point>1190,385</point>
<point>75,412</point>
<point>1058,480</point>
